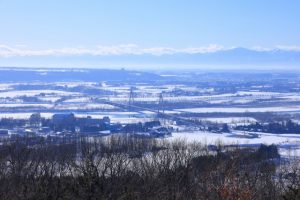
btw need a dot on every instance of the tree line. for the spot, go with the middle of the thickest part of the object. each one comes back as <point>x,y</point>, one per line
<point>125,167</point>
<point>280,127</point>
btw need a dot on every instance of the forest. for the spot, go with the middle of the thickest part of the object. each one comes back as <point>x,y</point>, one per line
<point>125,167</point>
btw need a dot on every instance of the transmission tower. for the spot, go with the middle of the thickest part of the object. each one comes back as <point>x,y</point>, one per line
<point>131,97</point>
<point>161,106</point>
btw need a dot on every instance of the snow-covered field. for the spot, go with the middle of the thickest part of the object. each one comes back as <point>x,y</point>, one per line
<point>83,106</point>
<point>193,99</point>
<point>18,93</point>
<point>145,92</point>
<point>24,105</point>
<point>230,120</point>
<point>5,86</point>
<point>289,144</point>
<point>78,100</point>
<point>119,117</point>
<point>241,109</point>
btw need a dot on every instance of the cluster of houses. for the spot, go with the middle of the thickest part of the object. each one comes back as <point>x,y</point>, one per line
<point>70,125</point>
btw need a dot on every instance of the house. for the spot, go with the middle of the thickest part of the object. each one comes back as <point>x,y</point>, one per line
<point>89,125</point>
<point>64,122</point>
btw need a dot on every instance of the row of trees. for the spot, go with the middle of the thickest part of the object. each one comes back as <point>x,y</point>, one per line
<point>121,167</point>
<point>272,127</point>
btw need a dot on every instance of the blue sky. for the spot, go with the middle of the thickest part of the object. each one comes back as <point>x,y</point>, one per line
<point>172,23</point>
<point>32,28</point>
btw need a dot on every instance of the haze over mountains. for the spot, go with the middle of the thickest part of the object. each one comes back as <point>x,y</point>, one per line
<point>234,58</point>
<point>88,75</point>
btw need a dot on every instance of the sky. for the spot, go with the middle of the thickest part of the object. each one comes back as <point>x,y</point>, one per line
<point>105,27</point>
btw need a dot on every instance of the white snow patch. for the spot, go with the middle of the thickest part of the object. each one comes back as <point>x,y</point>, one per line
<point>240,109</point>
<point>230,120</point>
